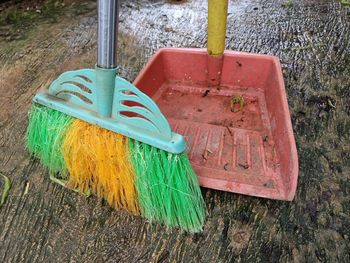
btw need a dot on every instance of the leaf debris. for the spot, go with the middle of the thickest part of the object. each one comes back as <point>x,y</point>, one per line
<point>6,189</point>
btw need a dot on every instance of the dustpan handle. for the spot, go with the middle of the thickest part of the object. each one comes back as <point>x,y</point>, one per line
<point>217,18</point>
<point>107,33</point>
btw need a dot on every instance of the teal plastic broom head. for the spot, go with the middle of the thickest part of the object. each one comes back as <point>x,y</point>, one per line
<point>99,97</point>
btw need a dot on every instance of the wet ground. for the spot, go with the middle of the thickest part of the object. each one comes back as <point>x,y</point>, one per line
<point>43,222</point>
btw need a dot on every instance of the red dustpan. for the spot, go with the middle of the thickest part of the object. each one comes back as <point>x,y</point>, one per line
<point>233,111</point>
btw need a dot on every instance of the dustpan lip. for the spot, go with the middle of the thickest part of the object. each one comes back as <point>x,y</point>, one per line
<point>289,133</point>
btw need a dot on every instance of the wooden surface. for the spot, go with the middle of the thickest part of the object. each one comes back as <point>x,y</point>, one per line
<point>43,222</point>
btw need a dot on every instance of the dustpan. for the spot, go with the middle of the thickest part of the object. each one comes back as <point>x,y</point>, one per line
<point>232,109</point>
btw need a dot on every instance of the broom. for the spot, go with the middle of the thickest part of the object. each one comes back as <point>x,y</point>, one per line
<point>97,133</point>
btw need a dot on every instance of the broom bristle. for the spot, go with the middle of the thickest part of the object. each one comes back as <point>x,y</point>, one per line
<point>128,174</point>
<point>167,187</point>
<point>97,160</point>
<point>45,136</point>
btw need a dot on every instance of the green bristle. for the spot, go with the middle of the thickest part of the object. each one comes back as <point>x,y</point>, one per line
<point>45,135</point>
<point>167,186</point>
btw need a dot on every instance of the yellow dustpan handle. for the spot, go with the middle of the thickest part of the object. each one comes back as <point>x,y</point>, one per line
<point>217,17</point>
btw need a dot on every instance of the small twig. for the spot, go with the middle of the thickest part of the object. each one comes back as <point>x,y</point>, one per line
<point>229,131</point>
<point>225,166</point>
<point>245,166</point>
<point>330,102</point>
<point>64,184</point>
<point>58,181</point>
<point>26,189</point>
<point>206,93</point>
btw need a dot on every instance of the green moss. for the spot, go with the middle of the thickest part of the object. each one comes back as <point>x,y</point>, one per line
<point>24,17</point>
<point>287,4</point>
<point>16,21</point>
<point>16,17</point>
<point>345,3</point>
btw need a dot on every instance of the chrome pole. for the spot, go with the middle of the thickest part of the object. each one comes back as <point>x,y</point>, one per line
<point>107,33</point>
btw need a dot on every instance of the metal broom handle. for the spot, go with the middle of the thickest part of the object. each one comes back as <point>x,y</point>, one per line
<point>107,33</point>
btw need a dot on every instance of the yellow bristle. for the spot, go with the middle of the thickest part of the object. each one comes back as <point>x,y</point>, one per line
<point>97,160</point>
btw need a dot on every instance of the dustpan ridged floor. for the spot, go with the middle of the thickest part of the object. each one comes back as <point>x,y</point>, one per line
<point>232,159</point>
